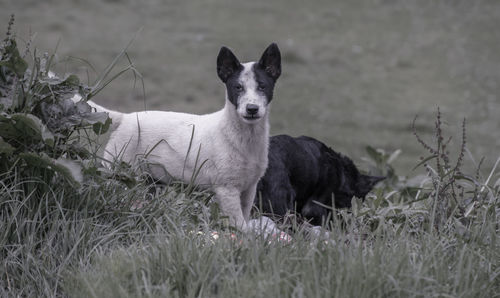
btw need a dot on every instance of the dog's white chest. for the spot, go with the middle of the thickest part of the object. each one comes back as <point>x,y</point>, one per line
<point>242,170</point>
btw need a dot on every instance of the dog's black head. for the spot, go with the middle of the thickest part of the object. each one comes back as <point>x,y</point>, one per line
<point>365,184</point>
<point>250,85</point>
<point>350,182</point>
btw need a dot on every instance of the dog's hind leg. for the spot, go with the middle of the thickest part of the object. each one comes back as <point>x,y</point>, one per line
<point>230,203</point>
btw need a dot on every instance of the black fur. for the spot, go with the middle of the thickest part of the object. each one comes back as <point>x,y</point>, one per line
<point>227,64</point>
<point>265,83</point>
<point>228,70</point>
<point>268,70</point>
<point>303,170</point>
<point>234,88</point>
<point>270,61</point>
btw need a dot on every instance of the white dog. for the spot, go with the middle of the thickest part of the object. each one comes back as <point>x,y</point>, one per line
<point>225,151</point>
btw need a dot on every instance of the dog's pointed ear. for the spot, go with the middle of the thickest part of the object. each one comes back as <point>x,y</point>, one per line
<point>270,61</point>
<point>227,64</point>
<point>366,183</point>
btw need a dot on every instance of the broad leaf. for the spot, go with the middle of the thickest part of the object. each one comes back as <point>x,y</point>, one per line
<point>13,60</point>
<point>23,126</point>
<point>101,128</point>
<point>393,156</point>
<point>69,169</point>
<point>5,148</point>
<point>425,160</point>
<point>67,115</point>
<point>374,154</point>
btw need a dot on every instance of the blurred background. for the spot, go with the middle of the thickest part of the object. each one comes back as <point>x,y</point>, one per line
<point>355,73</point>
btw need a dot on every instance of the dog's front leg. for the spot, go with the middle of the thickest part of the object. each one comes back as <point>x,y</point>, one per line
<point>229,200</point>
<point>247,199</point>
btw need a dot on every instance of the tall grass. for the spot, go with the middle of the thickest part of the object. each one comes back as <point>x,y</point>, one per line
<point>108,232</point>
<point>386,264</point>
<point>45,235</point>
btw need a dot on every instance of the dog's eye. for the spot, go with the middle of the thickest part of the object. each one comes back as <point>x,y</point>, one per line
<point>238,87</point>
<point>261,87</point>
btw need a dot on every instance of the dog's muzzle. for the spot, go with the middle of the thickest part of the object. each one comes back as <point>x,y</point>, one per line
<point>252,109</point>
<point>252,112</point>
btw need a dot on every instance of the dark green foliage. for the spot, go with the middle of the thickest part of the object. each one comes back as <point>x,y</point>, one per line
<point>41,128</point>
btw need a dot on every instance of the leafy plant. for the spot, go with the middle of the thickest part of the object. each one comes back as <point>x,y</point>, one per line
<point>444,176</point>
<point>40,125</point>
<point>380,163</point>
<point>446,198</point>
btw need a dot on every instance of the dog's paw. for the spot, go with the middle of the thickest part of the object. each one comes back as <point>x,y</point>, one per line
<point>318,233</point>
<point>282,237</point>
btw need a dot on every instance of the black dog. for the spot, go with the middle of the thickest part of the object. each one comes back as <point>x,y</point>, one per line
<point>303,171</point>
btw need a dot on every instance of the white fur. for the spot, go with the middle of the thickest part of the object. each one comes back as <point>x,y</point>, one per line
<point>250,95</point>
<point>232,149</point>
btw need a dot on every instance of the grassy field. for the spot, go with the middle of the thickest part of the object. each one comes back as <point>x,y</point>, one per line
<point>355,73</point>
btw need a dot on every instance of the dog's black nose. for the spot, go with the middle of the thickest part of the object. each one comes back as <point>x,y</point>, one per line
<point>252,109</point>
